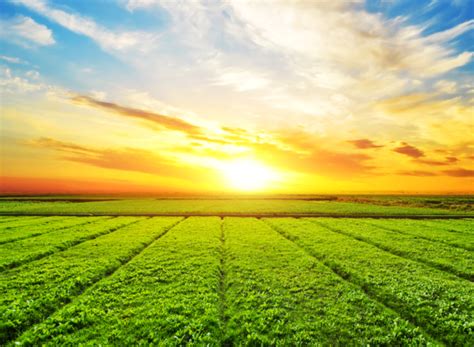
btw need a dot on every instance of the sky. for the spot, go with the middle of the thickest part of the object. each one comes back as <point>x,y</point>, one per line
<point>149,96</point>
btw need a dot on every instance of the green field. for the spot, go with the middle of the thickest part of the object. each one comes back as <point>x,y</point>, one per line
<point>210,280</point>
<point>341,207</point>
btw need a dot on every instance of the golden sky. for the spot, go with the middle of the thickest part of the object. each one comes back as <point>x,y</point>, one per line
<point>144,96</point>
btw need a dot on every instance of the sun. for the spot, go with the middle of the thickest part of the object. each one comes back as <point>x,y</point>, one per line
<point>247,174</point>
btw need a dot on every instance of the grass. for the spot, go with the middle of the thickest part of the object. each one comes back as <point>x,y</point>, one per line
<point>221,207</point>
<point>234,280</point>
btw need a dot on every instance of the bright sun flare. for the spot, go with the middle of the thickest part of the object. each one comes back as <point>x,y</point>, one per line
<point>247,174</point>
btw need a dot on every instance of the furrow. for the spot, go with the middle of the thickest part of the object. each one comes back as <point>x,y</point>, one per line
<point>28,232</point>
<point>278,295</point>
<point>166,295</point>
<point>347,278</point>
<point>36,290</point>
<point>464,241</point>
<point>26,221</point>
<point>455,261</point>
<point>438,302</point>
<point>222,285</point>
<point>32,249</point>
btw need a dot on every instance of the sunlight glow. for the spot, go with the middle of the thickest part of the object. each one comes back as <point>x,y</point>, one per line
<point>248,174</point>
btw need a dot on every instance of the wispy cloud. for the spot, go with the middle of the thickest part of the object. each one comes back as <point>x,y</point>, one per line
<point>409,150</point>
<point>107,39</point>
<point>167,122</point>
<point>12,60</point>
<point>133,5</point>
<point>124,159</point>
<point>460,172</point>
<point>241,80</point>
<point>371,42</point>
<point>364,144</point>
<point>452,33</point>
<point>25,31</point>
<point>417,173</point>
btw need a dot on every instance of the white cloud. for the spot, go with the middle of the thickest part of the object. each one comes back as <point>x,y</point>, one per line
<point>9,83</point>
<point>12,60</point>
<point>452,33</point>
<point>29,83</point>
<point>447,87</point>
<point>132,5</point>
<point>345,36</point>
<point>107,39</point>
<point>25,30</point>
<point>241,80</point>
<point>32,74</point>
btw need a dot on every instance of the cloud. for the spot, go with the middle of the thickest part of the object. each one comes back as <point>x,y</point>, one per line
<point>409,150</point>
<point>452,159</point>
<point>12,84</point>
<point>20,29</point>
<point>299,151</point>
<point>240,80</point>
<point>12,60</point>
<point>459,172</point>
<point>125,159</point>
<point>133,5</point>
<point>453,32</point>
<point>432,162</point>
<point>107,39</point>
<point>364,144</point>
<point>446,87</point>
<point>371,42</point>
<point>448,161</point>
<point>417,173</point>
<point>46,142</point>
<point>167,122</point>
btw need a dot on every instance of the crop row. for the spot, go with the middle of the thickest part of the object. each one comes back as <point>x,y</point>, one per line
<point>410,227</point>
<point>47,226</point>
<point>456,260</point>
<point>9,219</point>
<point>166,295</point>
<point>33,291</point>
<point>277,294</point>
<point>441,303</point>
<point>456,225</point>
<point>25,250</point>
<point>26,221</point>
<point>274,293</point>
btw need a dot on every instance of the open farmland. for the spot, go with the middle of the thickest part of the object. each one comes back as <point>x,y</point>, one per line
<point>219,280</point>
<point>252,207</point>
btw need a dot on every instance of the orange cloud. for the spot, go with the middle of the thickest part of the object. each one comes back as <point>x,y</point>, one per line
<point>127,159</point>
<point>315,160</point>
<point>409,150</point>
<point>459,172</point>
<point>417,173</point>
<point>171,123</point>
<point>364,144</point>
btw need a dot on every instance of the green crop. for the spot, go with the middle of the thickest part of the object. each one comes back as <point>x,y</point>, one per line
<point>215,207</point>
<point>441,303</point>
<point>174,281</point>
<point>33,291</point>
<point>25,250</point>
<point>455,260</point>
<point>277,294</point>
<point>46,226</point>
<point>166,295</point>
<point>410,227</point>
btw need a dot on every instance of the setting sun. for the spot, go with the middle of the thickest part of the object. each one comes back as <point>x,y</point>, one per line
<point>248,174</point>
